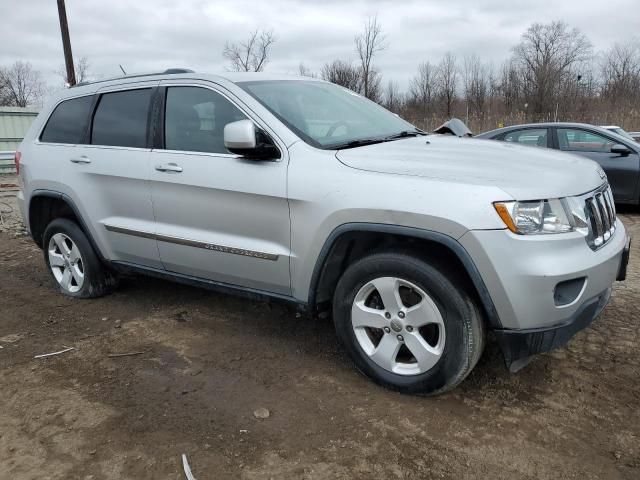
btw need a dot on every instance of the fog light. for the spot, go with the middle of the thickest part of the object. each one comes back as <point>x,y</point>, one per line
<point>568,291</point>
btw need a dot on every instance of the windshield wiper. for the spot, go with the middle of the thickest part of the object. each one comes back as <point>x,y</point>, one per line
<point>370,141</point>
<point>405,133</point>
<point>357,143</point>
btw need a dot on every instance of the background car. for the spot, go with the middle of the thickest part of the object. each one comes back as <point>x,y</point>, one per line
<point>619,131</point>
<point>618,156</point>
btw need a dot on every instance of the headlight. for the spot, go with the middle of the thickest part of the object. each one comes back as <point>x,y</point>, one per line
<point>540,216</point>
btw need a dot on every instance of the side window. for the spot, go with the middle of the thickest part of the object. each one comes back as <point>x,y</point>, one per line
<point>576,140</point>
<point>534,137</point>
<point>68,121</point>
<point>121,119</point>
<point>195,118</point>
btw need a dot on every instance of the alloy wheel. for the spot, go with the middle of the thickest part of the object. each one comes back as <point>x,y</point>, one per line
<point>398,326</point>
<point>66,262</point>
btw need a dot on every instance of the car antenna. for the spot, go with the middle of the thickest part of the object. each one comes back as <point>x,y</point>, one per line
<point>125,73</point>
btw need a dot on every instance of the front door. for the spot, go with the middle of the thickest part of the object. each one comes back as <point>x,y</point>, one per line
<point>218,216</point>
<point>622,171</point>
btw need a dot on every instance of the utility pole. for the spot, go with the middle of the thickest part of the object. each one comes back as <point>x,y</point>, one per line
<point>66,43</point>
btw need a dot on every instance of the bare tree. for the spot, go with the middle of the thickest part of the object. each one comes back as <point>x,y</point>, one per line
<point>547,55</point>
<point>393,99</point>
<point>422,93</point>
<point>368,44</point>
<point>376,93</point>
<point>621,74</point>
<point>21,85</point>
<point>511,86</point>
<point>476,84</point>
<point>494,88</point>
<point>342,73</point>
<point>82,69</point>
<point>422,87</point>
<point>251,55</point>
<point>448,81</point>
<point>303,71</point>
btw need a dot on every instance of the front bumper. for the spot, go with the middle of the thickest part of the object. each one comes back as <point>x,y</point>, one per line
<point>523,275</point>
<point>518,345</point>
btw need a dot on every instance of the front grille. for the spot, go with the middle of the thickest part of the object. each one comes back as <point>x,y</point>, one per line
<point>601,217</point>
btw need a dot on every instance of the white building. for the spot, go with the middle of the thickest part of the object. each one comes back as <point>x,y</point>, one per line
<point>14,123</point>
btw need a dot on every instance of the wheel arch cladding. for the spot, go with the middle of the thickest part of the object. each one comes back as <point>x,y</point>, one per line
<point>351,241</point>
<point>47,205</point>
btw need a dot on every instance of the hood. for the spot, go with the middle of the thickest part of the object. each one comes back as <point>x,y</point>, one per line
<point>525,173</point>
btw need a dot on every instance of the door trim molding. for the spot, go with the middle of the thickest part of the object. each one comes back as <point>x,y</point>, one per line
<point>193,243</point>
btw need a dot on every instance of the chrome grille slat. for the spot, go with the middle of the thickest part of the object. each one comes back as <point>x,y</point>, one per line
<point>612,219</point>
<point>612,206</point>
<point>606,221</point>
<point>601,212</point>
<point>595,211</point>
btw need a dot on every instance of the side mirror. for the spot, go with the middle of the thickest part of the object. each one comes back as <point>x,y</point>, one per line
<point>620,149</point>
<point>242,138</point>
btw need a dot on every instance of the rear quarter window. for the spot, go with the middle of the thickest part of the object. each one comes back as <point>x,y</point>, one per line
<point>68,122</point>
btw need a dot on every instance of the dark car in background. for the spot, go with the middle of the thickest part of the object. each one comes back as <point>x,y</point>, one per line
<point>618,156</point>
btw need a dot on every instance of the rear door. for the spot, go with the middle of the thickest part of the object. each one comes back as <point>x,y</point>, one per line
<point>219,216</point>
<point>622,171</point>
<point>109,175</point>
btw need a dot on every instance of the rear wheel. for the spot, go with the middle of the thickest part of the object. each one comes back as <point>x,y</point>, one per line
<point>72,262</point>
<point>407,324</point>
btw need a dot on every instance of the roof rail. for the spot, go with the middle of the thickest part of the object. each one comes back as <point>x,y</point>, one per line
<point>178,70</point>
<point>168,71</point>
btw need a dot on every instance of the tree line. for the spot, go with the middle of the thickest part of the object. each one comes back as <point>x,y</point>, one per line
<point>22,86</point>
<point>553,73</point>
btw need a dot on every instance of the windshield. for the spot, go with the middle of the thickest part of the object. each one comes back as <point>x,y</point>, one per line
<point>325,115</point>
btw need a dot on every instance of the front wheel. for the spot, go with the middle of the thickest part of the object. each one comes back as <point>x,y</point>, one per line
<point>407,324</point>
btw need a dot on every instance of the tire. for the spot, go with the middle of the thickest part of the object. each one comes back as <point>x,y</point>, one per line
<point>67,247</point>
<point>453,331</point>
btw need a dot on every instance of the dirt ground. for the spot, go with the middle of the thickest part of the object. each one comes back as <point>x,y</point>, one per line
<point>209,361</point>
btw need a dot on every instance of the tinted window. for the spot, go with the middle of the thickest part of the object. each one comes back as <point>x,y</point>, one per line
<point>576,140</point>
<point>533,137</point>
<point>195,119</point>
<point>68,121</point>
<point>121,119</point>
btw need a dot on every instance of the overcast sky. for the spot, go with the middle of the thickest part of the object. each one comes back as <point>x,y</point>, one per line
<point>150,35</point>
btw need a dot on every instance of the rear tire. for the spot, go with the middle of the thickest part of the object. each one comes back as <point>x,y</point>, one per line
<point>72,262</point>
<point>407,324</point>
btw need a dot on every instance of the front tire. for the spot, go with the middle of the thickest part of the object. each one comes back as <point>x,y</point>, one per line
<point>72,262</point>
<point>407,324</point>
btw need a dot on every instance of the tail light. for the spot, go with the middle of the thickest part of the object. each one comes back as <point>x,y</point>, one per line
<point>16,159</point>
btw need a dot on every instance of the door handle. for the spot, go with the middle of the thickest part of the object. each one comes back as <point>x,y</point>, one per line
<point>169,167</point>
<point>81,159</point>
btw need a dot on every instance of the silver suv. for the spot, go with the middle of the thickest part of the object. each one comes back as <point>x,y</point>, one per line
<point>300,190</point>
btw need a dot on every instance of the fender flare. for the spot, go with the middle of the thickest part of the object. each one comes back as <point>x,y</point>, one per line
<point>69,201</point>
<point>448,242</point>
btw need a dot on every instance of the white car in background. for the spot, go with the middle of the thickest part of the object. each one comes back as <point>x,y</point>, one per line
<point>635,136</point>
